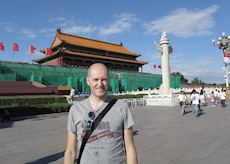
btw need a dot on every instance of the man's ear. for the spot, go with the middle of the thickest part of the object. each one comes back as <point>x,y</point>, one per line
<point>87,80</point>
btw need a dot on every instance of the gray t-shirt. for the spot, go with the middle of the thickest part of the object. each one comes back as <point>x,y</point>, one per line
<point>106,144</point>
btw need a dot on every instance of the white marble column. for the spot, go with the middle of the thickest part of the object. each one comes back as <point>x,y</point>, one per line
<point>165,97</point>
<point>165,50</point>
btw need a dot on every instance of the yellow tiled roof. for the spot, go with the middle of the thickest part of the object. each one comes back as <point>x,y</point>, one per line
<point>91,43</point>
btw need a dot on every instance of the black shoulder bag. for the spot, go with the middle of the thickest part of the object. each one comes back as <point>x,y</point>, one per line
<point>93,127</point>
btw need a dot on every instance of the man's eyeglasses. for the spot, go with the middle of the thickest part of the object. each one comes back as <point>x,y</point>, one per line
<point>89,123</point>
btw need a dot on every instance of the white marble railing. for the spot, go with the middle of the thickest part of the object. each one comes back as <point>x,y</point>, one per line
<point>161,100</point>
<point>136,101</point>
<point>172,90</point>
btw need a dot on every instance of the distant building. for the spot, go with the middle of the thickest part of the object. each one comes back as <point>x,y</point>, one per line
<point>74,51</point>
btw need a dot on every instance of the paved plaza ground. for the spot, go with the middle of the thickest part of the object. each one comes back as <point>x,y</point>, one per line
<point>161,135</point>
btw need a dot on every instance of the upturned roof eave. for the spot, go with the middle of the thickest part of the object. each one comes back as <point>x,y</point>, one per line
<point>60,37</point>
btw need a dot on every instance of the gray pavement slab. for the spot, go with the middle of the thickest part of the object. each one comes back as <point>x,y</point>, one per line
<point>161,134</point>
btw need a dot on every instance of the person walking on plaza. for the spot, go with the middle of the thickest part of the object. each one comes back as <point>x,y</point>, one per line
<point>212,99</point>
<point>202,98</point>
<point>216,96</point>
<point>195,102</point>
<point>111,142</point>
<point>182,100</point>
<point>222,97</point>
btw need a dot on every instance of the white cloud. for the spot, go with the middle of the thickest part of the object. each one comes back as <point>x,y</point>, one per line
<point>122,23</point>
<point>64,21</point>
<point>28,33</point>
<point>57,19</point>
<point>8,27</point>
<point>79,30</point>
<point>47,31</point>
<point>205,70</point>
<point>154,56</point>
<point>12,28</point>
<point>209,70</point>
<point>68,25</point>
<point>184,22</point>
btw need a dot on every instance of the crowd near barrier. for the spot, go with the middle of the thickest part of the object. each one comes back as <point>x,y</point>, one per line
<point>174,91</point>
<point>155,91</point>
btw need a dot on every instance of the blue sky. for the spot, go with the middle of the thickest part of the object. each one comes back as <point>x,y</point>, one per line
<point>191,25</point>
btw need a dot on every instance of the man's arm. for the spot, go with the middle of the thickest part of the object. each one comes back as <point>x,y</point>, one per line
<point>70,151</point>
<point>130,147</point>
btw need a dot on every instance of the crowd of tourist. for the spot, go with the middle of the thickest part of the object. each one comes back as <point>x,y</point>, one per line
<point>197,99</point>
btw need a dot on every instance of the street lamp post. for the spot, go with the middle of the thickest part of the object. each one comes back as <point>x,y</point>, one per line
<point>226,75</point>
<point>223,44</point>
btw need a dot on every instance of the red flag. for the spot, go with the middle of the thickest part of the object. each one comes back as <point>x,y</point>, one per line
<point>226,56</point>
<point>2,48</point>
<point>48,51</point>
<point>15,47</point>
<point>159,66</point>
<point>32,49</point>
<point>154,66</point>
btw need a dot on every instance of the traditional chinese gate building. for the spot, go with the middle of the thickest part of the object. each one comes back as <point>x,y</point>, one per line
<point>74,51</point>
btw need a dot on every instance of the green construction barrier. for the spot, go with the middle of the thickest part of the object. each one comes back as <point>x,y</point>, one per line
<point>8,77</point>
<point>76,77</point>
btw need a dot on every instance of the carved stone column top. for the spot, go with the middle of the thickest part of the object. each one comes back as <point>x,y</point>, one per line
<point>164,38</point>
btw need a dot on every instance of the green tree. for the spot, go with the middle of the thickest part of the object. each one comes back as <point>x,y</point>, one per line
<point>197,81</point>
<point>183,79</point>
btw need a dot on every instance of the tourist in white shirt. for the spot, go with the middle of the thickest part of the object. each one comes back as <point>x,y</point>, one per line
<point>222,97</point>
<point>195,102</point>
<point>202,98</point>
<point>216,95</point>
<point>182,100</point>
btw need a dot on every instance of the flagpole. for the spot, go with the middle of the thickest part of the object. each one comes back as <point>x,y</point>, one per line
<point>13,55</point>
<point>15,48</point>
<point>13,52</point>
<point>226,74</point>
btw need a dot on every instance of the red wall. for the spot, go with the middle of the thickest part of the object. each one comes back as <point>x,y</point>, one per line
<point>54,62</point>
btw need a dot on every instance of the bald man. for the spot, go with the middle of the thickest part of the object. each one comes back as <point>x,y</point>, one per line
<point>112,140</point>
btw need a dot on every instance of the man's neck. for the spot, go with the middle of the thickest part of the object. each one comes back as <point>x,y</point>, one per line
<point>96,102</point>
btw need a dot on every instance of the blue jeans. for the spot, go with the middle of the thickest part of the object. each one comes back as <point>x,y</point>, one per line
<point>195,109</point>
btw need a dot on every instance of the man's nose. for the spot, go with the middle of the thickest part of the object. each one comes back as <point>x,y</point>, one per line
<point>100,82</point>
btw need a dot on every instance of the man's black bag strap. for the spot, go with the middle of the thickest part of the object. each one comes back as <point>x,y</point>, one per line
<point>93,127</point>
